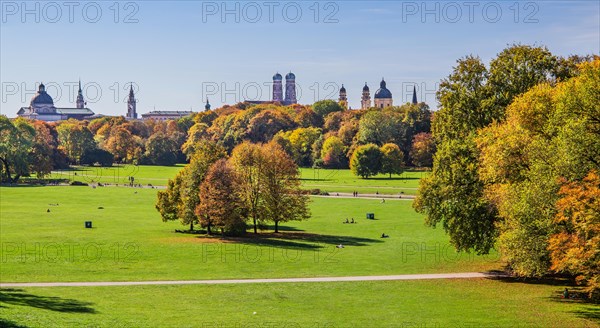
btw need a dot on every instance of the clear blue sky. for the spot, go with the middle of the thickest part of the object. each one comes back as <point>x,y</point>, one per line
<point>177,53</point>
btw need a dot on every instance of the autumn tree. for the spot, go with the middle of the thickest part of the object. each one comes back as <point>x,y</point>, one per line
<point>575,248</point>
<point>44,147</point>
<point>366,161</point>
<point>219,204</point>
<point>422,150</point>
<point>333,154</point>
<point>123,145</point>
<point>181,198</point>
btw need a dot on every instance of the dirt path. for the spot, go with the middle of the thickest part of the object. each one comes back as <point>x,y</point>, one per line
<point>463,275</point>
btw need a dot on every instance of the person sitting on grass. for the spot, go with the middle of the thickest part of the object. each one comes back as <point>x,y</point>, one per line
<point>383,235</point>
<point>352,221</point>
<point>346,220</point>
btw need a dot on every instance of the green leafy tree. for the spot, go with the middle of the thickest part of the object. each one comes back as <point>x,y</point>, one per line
<point>392,159</point>
<point>16,142</point>
<point>366,161</point>
<point>280,187</point>
<point>325,107</point>
<point>161,150</point>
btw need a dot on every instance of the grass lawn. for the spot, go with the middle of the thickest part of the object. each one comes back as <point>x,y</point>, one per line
<point>326,180</point>
<point>435,303</point>
<point>119,174</point>
<point>344,181</point>
<point>130,242</point>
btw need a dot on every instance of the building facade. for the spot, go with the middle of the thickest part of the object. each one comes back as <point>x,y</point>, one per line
<point>42,108</point>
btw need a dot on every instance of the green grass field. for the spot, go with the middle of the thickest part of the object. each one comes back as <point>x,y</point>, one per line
<point>326,180</point>
<point>129,242</point>
<point>129,237</point>
<point>435,304</point>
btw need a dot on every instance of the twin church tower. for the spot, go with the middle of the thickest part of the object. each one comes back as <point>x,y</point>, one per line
<point>383,96</point>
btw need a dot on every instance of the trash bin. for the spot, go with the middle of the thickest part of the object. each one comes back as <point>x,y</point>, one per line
<point>370,216</point>
<point>88,224</point>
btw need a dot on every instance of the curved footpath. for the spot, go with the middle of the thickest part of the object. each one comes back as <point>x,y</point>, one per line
<point>463,275</point>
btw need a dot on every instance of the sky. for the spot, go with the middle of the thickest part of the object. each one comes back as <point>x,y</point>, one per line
<point>176,54</point>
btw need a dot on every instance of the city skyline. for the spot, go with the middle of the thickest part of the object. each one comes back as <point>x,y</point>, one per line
<point>177,57</point>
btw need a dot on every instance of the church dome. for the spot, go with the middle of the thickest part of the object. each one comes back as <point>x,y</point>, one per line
<point>42,98</point>
<point>277,77</point>
<point>366,87</point>
<point>290,76</point>
<point>343,90</point>
<point>383,92</point>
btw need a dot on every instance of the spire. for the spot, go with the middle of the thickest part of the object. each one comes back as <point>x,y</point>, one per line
<point>414,100</point>
<point>80,103</point>
<point>131,89</point>
<point>207,106</point>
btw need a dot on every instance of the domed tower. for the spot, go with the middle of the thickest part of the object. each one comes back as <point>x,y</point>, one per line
<point>277,88</point>
<point>42,103</point>
<point>343,101</point>
<point>131,104</point>
<point>80,102</point>
<point>383,96</point>
<point>365,102</point>
<point>290,89</point>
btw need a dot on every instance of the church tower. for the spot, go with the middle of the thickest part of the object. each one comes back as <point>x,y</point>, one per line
<point>343,101</point>
<point>207,106</point>
<point>414,100</point>
<point>365,102</point>
<point>277,88</point>
<point>80,102</point>
<point>131,113</point>
<point>290,89</point>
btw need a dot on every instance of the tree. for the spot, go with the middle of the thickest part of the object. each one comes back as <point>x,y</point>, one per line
<point>266,124</point>
<point>575,248</point>
<point>44,147</point>
<point>181,198</point>
<point>123,145</point>
<point>377,127</point>
<point>281,194</point>
<point>99,156</point>
<point>333,154</point>
<point>75,138</point>
<point>248,161</point>
<point>324,107</point>
<point>161,150</point>
<point>366,161</point>
<point>16,141</point>
<point>219,204</point>
<point>301,141</point>
<point>392,159</point>
<point>453,196</point>
<point>422,150</point>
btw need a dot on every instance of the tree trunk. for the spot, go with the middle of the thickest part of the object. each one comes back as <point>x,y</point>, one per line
<point>192,226</point>
<point>255,230</point>
<point>208,228</point>
<point>276,226</point>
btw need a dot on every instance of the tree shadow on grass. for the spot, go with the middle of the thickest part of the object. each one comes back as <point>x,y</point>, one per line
<point>19,297</point>
<point>302,240</point>
<point>10,324</point>
<point>577,293</point>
